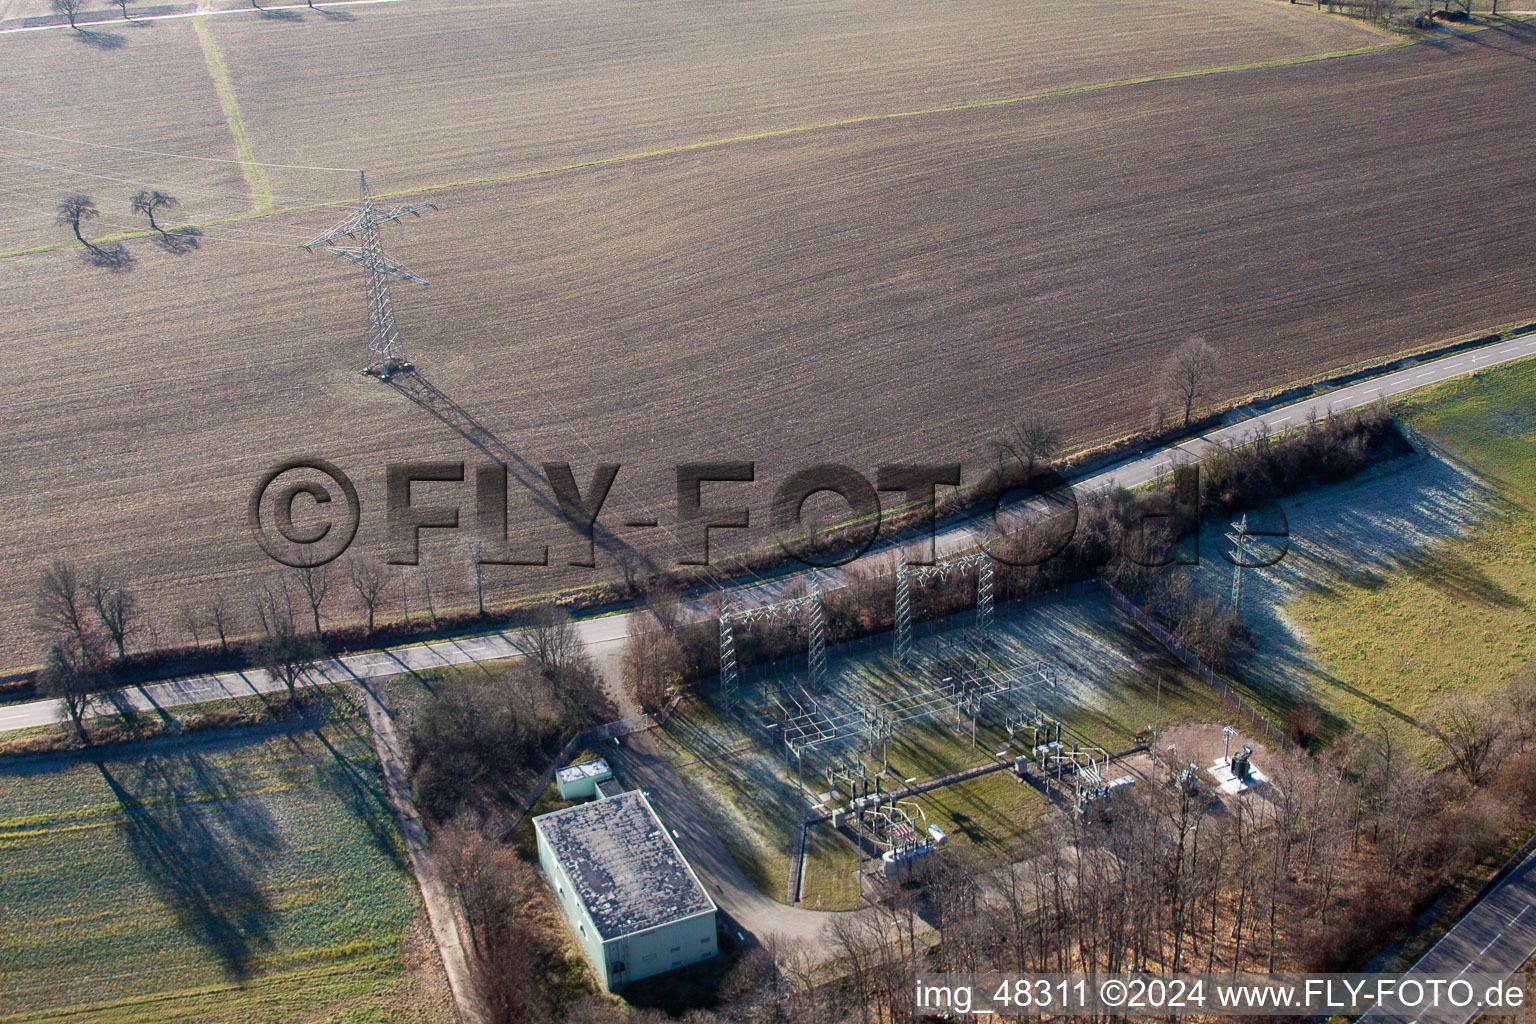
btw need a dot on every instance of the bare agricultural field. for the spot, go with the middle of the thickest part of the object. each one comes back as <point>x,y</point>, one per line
<point>427,92</point>
<point>457,91</point>
<point>151,93</point>
<point>878,292</point>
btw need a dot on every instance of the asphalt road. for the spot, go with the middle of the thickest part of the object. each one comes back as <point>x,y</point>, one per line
<point>604,635</point>
<point>1495,937</point>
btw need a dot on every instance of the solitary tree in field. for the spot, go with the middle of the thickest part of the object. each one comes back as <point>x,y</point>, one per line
<point>1188,374</point>
<point>69,8</point>
<point>148,201</point>
<point>74,209</point>
<point>122,5</point>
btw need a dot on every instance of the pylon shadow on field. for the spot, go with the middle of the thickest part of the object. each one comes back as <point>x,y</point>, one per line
<point>429,396</point>
<point>196,837</point>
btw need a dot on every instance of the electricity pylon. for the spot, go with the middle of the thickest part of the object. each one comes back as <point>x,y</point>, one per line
<point>386,356</point>
<point>1240,538</point>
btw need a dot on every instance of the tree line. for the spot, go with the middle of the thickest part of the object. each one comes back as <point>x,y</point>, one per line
<point>72,9</point>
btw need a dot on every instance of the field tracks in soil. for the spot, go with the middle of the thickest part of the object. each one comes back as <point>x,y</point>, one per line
<point>265,206</point>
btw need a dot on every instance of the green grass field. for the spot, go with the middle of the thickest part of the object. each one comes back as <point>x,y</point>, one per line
<point>1456,616</point>
<point>246,877</point>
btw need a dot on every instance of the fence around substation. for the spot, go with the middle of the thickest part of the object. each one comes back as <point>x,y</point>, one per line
<point>1193,662</point>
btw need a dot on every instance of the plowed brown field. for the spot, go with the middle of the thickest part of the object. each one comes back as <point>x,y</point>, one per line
<point>890,290</point>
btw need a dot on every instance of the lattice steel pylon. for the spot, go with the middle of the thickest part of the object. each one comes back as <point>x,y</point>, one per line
<point>386,355</point>
<point>816,648</point>
<point>984,587</point>
<point>727,652</point>
<point>1240,538</point>
<point>981,561</point>
<point>903,643</point>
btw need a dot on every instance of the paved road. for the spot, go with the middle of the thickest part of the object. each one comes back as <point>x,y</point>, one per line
<point>1495,937</point>
<point>98,19</point>
<point>604,635</point>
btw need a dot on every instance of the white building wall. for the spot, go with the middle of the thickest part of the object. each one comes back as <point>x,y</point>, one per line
<point>575,913</point>
<point>664,948</point>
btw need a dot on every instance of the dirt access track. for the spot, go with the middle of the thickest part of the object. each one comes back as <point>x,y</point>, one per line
<point>888,290</point>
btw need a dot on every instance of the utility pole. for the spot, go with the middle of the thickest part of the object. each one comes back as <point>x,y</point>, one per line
<point>386,355</point>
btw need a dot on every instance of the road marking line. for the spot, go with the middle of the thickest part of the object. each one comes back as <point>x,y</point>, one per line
<point>1521,914</point>
<point>1491,941</point>
<point>1465,969</point>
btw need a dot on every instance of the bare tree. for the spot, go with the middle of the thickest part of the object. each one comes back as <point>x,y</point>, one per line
<point>1522,705</point>
<point>73,669</point>
<point>1472,734</point>
<point>474,560</point>
<point>1033,442</point>
<point>70,8</point>
<point>147,201</point>
<point>60,607</point>
<point>314,583</point>
<point>653,663</point>
<point>550,638</point>
<point>510,949</point>
<point>117,609</point>
<point>1188,373</point>
<point>284,651</point>
<point>122,5</point>
<point>369,579</point>
<point>221,618</point>
<point>75,209</point>
<point>192,622</point>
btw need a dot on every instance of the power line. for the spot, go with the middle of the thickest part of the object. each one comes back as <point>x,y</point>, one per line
<point>243,197</point>
<point>173,156</point>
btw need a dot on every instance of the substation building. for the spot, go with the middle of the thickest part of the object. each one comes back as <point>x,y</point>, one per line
<point>631,898</point>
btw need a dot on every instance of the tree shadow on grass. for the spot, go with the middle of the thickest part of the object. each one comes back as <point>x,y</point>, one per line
<point>281,15</point>
<point>197,839</point>
<point>1448,571</point>
<point>363,794</point>
<point>335,15</point>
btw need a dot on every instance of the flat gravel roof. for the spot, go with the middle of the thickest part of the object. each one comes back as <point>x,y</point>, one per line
<point>626,869</point>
